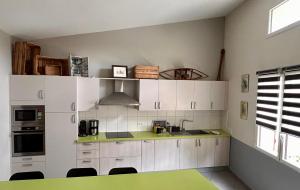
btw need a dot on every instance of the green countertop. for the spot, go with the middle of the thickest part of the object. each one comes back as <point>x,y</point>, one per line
<point>175,180</point>
<point>147,135</point>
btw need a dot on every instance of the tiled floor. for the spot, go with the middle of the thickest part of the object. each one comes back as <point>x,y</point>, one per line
<point>225,180</point>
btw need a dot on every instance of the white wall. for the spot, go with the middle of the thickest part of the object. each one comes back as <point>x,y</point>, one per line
<point>193,44</point>
<point>248,49</point>
<point>5,70</point>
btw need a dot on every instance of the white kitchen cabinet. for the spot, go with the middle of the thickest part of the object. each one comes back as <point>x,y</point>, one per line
<point>88,93</point>
<point>27,89</point>
<point>148,94</point>
<point>61,133</point>
<point>188,153</point>
<point>28,167</point>
<point>222,146</point>
<point>205,152</point>
<point>147,155</point>
<point>166,154</point>
<point>106,164</point>
<point>218,95</point>
<point>202,96</point>
<point>185,94</point>
<point>61,94</point>
<point>167,95</point>
<point>120,149</point>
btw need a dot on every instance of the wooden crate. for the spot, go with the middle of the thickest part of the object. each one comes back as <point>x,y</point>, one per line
<point>146,72</point>
<point>51,66</point>
<point>23,57</point>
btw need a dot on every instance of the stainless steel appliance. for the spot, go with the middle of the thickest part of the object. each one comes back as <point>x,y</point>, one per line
<point>28,130</point>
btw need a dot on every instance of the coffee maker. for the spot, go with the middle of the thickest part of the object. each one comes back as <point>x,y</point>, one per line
<point>93,127</point>
<point>82,129</point>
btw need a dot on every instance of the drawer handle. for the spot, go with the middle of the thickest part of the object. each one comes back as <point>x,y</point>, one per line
<point>86,161</point>
<point>26,165</point>
<point>119,159</point>
<point>86,152</point>
<point>119,142</point>
<point>87,144</point>
<point>26,159</point>
<point>147,142</point>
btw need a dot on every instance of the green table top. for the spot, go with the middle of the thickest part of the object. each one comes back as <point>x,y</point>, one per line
<point>147,135</point>
<point>175,180</point>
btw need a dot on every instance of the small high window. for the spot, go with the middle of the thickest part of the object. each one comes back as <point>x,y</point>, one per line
<point>284,15</point>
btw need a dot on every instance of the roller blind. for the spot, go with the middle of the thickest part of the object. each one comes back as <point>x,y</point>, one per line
<point>291,103</point>
<point>268,100</point>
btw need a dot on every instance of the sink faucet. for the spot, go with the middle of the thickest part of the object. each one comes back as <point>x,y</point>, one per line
<point>182,123</point>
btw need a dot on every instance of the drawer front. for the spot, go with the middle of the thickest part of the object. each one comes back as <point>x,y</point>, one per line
<point>106,164</point>
<point>88,146</point>
<point>120,149</point>
<point>82,154</point>
<point>88,163</point>
<point>28,167</point>
<point>28,159</point>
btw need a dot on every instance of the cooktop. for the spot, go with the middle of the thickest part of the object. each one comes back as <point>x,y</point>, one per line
<point>111,135</point>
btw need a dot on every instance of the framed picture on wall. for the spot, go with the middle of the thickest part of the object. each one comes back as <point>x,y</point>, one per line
<point>120,71</point>
<point>244,110</point>
<point>245,83</point>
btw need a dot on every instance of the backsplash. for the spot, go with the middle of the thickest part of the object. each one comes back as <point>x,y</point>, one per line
<point>120,118</point>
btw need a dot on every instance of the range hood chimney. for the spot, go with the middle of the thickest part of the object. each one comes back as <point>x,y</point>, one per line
<point>119,97</point>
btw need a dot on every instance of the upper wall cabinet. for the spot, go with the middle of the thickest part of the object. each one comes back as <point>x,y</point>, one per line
<point>157,94</point>
<point>87,93</point>
<point>61,94</point>
<point>27,89</point>
<point>201,95</point>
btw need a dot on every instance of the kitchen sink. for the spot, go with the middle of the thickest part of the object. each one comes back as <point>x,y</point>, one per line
<point>189,132</point>
<point>197,132</point>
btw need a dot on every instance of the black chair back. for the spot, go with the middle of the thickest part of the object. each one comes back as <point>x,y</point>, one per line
<point>116,171</point>
<point>81,172</point>
<point>26,176</point>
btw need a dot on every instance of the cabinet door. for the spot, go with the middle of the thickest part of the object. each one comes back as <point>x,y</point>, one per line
<point>167,95</point>
<point>61,94</point>
<point>148,95</point>
<point>61,133</point>
<point>206,152</point>
<point>222,151</point>
<point>188,153</point>
<point>106,164</point>
<point>185,95</point>
<point>218,95</point>
<point>27,88</point>
<point>166,154</point>
<point>147,155</point>
<point>202,100</point>
<point>88,93</point>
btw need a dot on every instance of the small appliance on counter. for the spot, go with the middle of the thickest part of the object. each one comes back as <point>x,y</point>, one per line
<point>82,129</point>
<point>159,126</point>
<point>93,127</point>
<point>172,129</point>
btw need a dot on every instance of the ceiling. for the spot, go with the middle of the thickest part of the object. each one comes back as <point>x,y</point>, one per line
<point>36,19</point>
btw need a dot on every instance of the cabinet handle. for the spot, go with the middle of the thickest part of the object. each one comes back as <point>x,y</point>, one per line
<point>194,105</point>
<point>73,106</point>
<point>155,105</point>
<point>217,142</point>
<point>41,96</point>
<point>177,143</point>
<point>191,105</point>
<point>87,152</point>
<point>147,142</point>
<point>26,165</point>
<point>87,144</point>
<point>119,142</point>
<point>86,161</point>
<point>196,142</point>
<point>119,159</point>
<point>211,105</point>
<point>199,142</point>
<point>158,105</point>
<point>73,118</point>
<point>26,159</point>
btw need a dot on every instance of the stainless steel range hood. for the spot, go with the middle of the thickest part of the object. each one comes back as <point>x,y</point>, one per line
<point>119,97</point>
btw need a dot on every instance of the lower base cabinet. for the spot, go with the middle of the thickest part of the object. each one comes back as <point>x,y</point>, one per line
<point>188,153</point>
<point>206,152</point>
<point>222,146</point>
<point>147,155</point>
<point>106,164</point>
<point>167,154</point>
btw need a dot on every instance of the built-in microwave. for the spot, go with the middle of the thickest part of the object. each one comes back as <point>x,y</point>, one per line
<point>27,115</point>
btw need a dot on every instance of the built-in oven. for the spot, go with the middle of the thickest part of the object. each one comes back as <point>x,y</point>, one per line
<point>28,130</point>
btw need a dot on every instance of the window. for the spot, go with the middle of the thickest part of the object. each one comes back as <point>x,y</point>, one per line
<point>283,15</point>
<point>278,113</point>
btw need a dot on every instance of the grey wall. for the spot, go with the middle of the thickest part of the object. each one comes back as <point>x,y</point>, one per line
<point>259,171</point>
<point>191,44</point>
<point>5,70</point>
